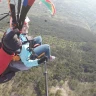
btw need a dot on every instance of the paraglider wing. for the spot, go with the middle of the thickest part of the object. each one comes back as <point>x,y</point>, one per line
<point>25,8</point>
<point>49,5</point>
<point>30,2</point>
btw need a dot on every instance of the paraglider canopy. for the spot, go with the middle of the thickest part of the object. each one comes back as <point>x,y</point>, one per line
<point>49,5</point>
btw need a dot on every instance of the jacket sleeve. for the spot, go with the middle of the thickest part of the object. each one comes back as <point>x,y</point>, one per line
<point>24,55</point>
<point>4,60</point>
<point>30,63</point>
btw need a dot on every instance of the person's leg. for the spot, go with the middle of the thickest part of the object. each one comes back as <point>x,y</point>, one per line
<point>13,67</point>
<point>45,48</point>
<point>18,65</point>
<point>38,40</point>
<point>6,77</point>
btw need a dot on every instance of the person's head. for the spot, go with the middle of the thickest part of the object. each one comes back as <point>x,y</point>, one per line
<point>11,40</point>
<point>26,25</point>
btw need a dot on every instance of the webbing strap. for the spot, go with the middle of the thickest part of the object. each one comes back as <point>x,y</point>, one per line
<point>18,10</point>
<point>4,17</point>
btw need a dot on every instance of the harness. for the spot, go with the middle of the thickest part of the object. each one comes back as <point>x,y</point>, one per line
<point>6,14</point>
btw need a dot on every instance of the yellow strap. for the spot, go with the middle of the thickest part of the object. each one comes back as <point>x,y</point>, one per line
<point>41,55</point>
<point>16,58</point>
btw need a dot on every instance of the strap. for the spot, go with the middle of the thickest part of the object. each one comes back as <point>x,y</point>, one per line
<point>25,8</point>
<point>18,10</point>
<point>4,17</point>
<point>4,13</point>
<point>13,13</point>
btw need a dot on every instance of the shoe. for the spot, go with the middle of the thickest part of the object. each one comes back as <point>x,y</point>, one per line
<point>52,58</point>
<point>7,77</point>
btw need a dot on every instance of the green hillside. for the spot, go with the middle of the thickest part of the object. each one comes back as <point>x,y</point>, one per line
<point>75,63</point>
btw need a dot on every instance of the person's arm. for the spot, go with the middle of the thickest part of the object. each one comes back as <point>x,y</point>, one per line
<point>25,54</point>
<point>10,14</point>
<point>11,27</point>
<point>36,62</point>
<point>30,63</point>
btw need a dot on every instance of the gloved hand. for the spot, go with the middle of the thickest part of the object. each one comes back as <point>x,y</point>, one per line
<point>41,60</point>
<point>33,56</point>
<point>11,42</point>
<point>33,44</point>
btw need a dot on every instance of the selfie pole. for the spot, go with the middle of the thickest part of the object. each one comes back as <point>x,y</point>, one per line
<point>46,79</point>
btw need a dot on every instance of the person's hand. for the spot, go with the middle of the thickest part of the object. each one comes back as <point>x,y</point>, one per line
<point>41,60</point>
<point>11,42</point>
<point>33,56</point>
<point>32,44</point>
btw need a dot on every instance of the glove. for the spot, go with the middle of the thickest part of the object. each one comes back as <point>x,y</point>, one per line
<point>45,58</point>
<point>11,42</point>
<point>33,44</point>
<point>33,56</point>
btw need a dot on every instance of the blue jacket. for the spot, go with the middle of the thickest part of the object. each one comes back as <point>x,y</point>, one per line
<point>22,37</point>
<point>25,54</point>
